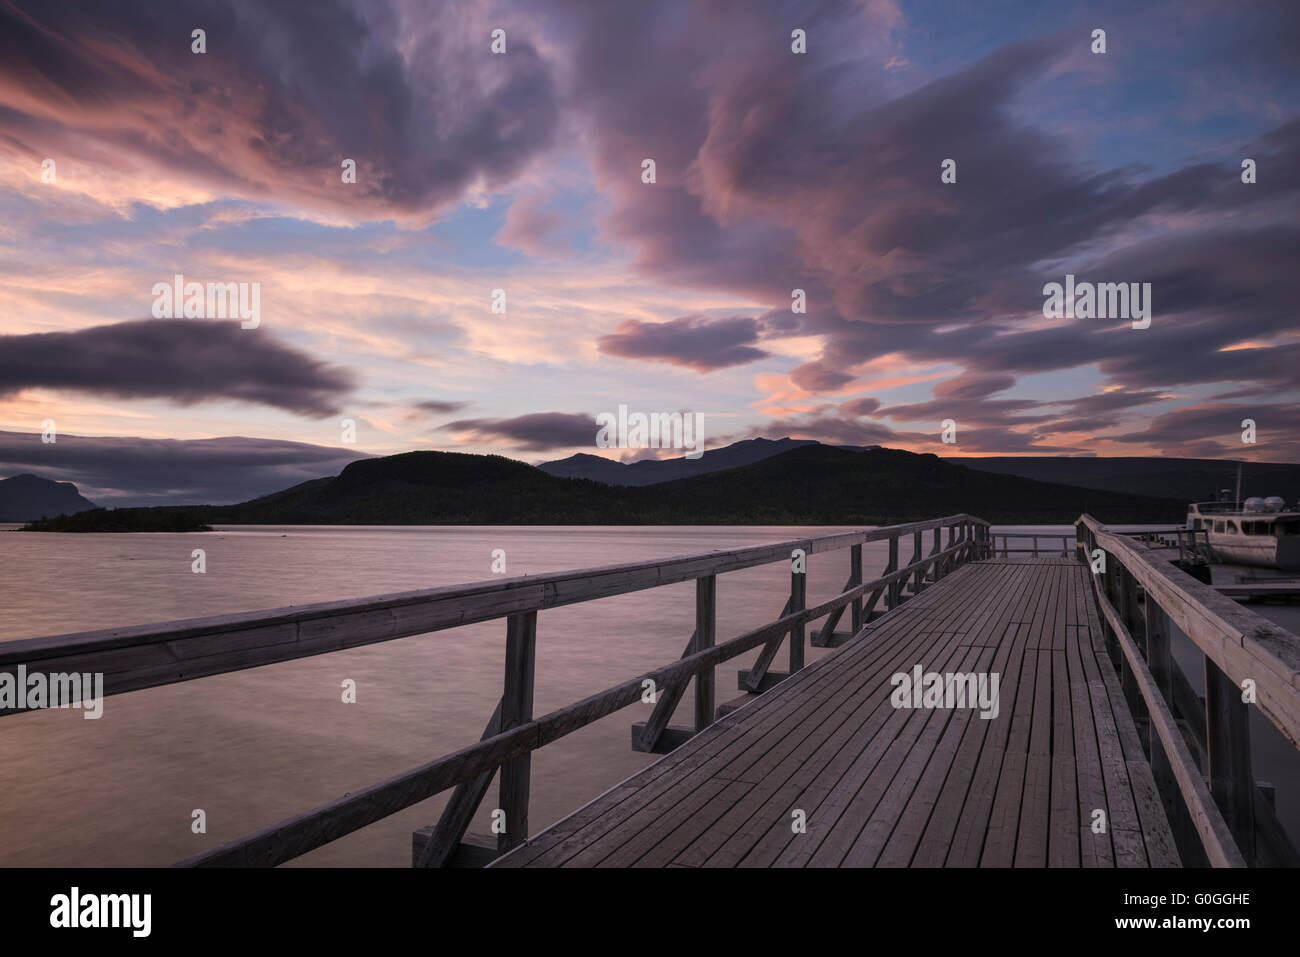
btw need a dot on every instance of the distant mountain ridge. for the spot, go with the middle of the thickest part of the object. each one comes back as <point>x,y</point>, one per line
<point>1191,480</point>
<point>652,471</point>
<point>1185,479</point>
<point>810,484</point>
<point>27,497</point>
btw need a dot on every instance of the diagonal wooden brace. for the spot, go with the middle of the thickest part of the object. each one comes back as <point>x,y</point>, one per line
<point>665,706</point>
<point>823,638</point>
<point>765,657</point>
<point>458,813</point>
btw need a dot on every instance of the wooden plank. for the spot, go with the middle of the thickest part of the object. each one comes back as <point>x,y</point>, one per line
<point>987,828</point>
<point>893,782</point>
<point>932,849</point>
<point>1064,824</point>
<point>1095,846</point>
<point>1120,806</point>
<point>1035,802</point>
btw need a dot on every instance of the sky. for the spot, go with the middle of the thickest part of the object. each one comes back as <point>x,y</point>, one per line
<point>127,158</point>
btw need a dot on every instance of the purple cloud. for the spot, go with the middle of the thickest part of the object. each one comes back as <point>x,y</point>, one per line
<point>185,361</point>
<point>691,341</point>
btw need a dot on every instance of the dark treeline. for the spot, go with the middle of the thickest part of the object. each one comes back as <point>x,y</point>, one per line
<point>814,485</point>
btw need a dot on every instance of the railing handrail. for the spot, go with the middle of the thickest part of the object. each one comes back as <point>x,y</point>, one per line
<point>1242,644</point>
<point>146,656</point>
<point>1216,836</point>
<point>1142,593</point>
<point>528,593</point>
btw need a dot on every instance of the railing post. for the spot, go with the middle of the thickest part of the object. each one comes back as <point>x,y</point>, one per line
<point>1227,745</point>
<point>1128,610</point>
<point>919,574</point>
<point>935,550</point>
<point>1111,586</point>
<point>891,593</point>
<point>1161,666</point>
<point>706,622</point>
<point>798,597</point>
<point>517,709</point>
<point>855,578</point>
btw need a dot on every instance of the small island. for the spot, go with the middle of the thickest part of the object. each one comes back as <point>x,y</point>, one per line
<point>122,520</point>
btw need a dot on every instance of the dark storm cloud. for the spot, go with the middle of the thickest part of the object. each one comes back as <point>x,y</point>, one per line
<point>283,94</point>
<point>864,406</point>
<point>962,387</point>
<point>122,471</point>
<point>537,432</point>
<point>1203,428</point>
<point>433,405</point>
<point>691,341</point>
<point>182,360</point>
<point>818,377</point>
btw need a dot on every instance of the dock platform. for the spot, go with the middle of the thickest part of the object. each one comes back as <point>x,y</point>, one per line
<point>1065,733</point>
<point>884,786</point>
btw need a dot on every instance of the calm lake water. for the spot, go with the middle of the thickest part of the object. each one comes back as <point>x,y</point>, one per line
<point>253,747</point>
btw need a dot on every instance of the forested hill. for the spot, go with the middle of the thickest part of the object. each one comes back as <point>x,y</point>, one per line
<point>814,485</point>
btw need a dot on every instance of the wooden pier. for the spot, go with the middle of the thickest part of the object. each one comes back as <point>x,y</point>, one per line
<point>1095,750</point>
<point>883,786</point>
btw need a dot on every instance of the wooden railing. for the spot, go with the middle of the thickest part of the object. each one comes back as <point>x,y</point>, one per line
<point>1193,544</point>
<point>1199,748</point>
<point>148,656</point>
<point>1065,547</point>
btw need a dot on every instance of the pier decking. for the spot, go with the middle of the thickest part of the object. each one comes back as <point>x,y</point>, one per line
<point>886,786</point>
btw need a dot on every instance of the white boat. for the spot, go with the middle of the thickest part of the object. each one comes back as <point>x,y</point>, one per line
<point>1259,531</point>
